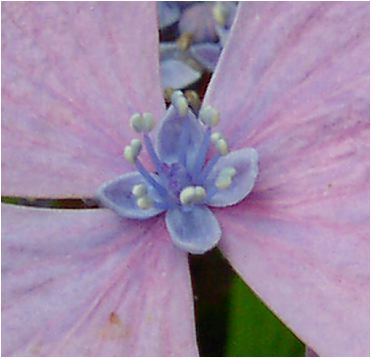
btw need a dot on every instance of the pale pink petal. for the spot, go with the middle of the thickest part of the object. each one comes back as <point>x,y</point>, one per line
<point>297,75</point>
<point>84,282</point>
<point>72,74</point>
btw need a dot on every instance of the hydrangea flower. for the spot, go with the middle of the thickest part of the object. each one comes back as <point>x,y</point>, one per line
<point>292,83</point>
<point>203,28</point>
<point>185,182</point>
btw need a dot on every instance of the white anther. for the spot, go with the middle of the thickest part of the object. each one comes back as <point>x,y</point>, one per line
<point>228,171</point>
<point>223,182</point>
<point>192,195</point>
<point>209,116</point>
<point>149,121</point>
<point>129,154</point>
<point>180,102</point>
<point>132,151</point>
<point>142,123</point>
<point>186,195</point>
<point>225,177</point>
<point>139,190</point>
<point>200,194</point>
<point>222,146</point>
<point>136,144</point>
<point>215,137</point>
<point>145,202</point>
<point>136,122</point>
<point>220,13</point>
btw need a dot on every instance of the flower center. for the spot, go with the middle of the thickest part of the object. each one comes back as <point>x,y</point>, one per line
<point>181,183</point>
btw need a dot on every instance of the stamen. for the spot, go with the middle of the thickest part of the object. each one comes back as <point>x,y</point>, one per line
<point>139,190</point>
<point>223,182</point>
<point>193,100</point>
<point>200,194</point>
<point>224,179</point>
<point>192,195</point>
<point>209,116</point>
<point>220,13</point>
<point>149,121</point>
<point>145,202</point>
<point>229,171</point>
<point>132,150</point>
<point>136,144</point>
<point>186,195</point>
<point>168,93</point>
<point>215,137</point>
<point>136,122</point>
<point>222,146</point>
<point>142,123</point>
<point>184,41</point>
<point>180,103</point>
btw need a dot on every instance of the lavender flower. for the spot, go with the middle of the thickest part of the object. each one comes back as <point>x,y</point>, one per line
<point>204,28</point>
<point>185,182</point>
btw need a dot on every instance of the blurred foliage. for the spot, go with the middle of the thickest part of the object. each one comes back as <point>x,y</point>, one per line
<point>253,330</point>
<point>211,280</point>
<point>51,203</point>
<point>230,319</point>
<point>9,200</point>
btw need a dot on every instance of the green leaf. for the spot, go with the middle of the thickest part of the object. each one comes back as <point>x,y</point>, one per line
<point>9,200</point>
<point>253,330</point>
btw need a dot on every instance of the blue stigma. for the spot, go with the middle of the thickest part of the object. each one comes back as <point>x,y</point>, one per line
<point>193,170</point>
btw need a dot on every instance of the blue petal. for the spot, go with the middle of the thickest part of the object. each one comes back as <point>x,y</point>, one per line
<point>195,231</point>
<point>169,140</point>
<point>245,161</point>
<point>116,195</point>
<point>176,74</point>
<point>168,12</point>
<point>199,21</point>
<point>170,50</point>
<point>207,54</point>
<point>185,4</point>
